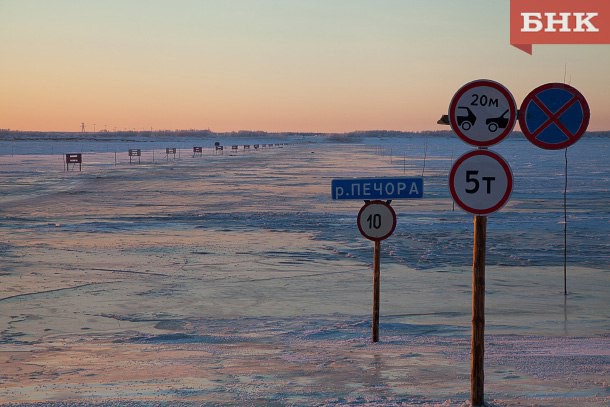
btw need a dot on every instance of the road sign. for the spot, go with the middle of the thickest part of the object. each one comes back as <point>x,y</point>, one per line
<point>482,112</point>
<point>554,116</point>
<point>378,188</point>
<point>480,182</point>
<point>376,220</point>
<point>74,159</point>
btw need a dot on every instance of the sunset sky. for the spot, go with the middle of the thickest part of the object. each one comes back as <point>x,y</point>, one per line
<point>273,65</point>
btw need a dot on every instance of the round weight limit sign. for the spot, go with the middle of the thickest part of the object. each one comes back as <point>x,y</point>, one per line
<point>480,182</point>
<point>376,220</point>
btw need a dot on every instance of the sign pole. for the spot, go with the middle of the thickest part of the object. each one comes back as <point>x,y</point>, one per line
<point>477,371</point>
<point>376,288</point>
<point>481,113</point>
<point>376,219</point>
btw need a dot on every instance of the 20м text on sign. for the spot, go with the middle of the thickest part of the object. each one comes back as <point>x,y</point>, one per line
<point>378,188</point>
<point>482,113</point>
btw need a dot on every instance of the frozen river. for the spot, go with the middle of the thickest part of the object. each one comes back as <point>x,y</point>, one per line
<point>234,279</point>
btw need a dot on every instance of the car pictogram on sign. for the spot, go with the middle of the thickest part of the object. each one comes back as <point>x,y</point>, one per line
<point>466,122</point>
<point>482,113</point>
<point>495,123</point>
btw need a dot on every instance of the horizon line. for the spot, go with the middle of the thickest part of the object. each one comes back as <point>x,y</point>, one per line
<point>290,132</point>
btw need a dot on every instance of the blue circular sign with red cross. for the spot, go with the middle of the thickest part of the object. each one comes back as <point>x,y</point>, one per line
<point>554,116</point>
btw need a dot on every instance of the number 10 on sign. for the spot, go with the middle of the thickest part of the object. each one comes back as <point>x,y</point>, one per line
<point>376,221</point>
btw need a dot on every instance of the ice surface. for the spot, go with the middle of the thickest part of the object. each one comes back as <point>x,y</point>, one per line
<point>234,279</point>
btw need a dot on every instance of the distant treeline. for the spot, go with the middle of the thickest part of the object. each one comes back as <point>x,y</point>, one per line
<point>7,134</point>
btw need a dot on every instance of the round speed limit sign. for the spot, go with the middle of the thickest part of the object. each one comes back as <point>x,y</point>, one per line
<point>376,220</point>
<point>480,182</point>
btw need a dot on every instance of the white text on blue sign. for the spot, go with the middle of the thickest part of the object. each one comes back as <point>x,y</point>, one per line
<point>378,188</point>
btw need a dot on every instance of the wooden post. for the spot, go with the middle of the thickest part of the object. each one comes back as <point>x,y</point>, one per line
<point>376,278</point>
<point>477,371</point>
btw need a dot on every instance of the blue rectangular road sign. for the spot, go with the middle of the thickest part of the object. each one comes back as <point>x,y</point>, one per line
<point>378,188</point>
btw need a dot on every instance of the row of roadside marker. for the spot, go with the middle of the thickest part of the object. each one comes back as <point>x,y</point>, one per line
<point>71,159</point>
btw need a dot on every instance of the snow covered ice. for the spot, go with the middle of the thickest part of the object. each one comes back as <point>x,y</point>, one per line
<point>234,279</point>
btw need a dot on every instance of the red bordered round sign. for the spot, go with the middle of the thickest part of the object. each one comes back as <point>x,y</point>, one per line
<point>480,182</point>
<point>554,116</point>
<point>376,220</point>
<point>482,113</point>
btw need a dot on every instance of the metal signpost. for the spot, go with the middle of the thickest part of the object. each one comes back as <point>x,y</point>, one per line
<point>482,113</point>
<point>377,219</point>
<point>554,116</point>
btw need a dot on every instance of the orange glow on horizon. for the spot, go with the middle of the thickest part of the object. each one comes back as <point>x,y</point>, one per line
<point>310,66</point>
